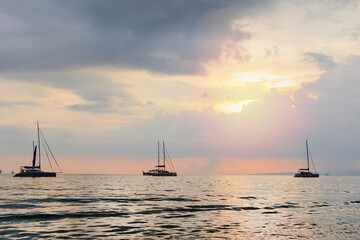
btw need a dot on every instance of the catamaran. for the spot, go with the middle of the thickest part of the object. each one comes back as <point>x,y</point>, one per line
<point>161,167</point>
<point>35,169</point>
<point>305,172</point>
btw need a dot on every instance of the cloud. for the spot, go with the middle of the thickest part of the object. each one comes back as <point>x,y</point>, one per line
<point>332,118</point>
<point>260,131</point>
<point>205,95</point>
<point>324,62</point>
<point>16,103</point>
<point>101,94</point>
<point>355,34</point>
<point>15,140</point>
<point>161,36</point>
<point>274,51</point>
<point>275,127</point>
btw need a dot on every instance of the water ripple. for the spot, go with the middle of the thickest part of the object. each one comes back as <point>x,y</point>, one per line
<point>185,207</point>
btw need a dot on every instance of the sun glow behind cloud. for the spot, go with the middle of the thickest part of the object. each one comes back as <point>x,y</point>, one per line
<point>269,80</point>
<point>280,84</point>
<point>228,108</point>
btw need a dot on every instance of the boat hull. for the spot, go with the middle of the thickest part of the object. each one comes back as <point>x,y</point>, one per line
<point>160,174</point>
<point>147,174</point>
<point>35,174</point>
<point>165,174</point>
<point>306,175</point>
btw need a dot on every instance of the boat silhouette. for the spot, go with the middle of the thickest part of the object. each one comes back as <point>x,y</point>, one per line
<point>161,166</point>
<point>305,172</point>
<point>35,169</point>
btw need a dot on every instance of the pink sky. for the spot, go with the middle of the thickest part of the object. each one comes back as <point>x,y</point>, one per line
<point>184,166</point>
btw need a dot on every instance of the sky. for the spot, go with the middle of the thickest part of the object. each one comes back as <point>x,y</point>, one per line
<point>232,87</point>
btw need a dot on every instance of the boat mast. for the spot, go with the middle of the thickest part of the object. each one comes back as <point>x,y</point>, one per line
<point>164,153</point>
<point>39,143</point>
<point>307,156</point>
<point>158,165</point>
<point>34,156</point>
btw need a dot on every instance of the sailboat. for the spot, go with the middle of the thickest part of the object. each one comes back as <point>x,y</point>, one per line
<point>35,169</point>
<point>161,167</point>
<point>305,172</point>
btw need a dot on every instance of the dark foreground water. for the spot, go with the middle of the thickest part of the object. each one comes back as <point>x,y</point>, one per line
<point>184,207</point>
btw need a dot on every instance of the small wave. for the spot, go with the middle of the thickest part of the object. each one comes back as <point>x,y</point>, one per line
<point>137,222</point>
<point>348,203</point>
<point>246,208</point>
<point>18,206</point>
<point>169,226</point>
<point>270,212</point>
<point>286,206</point>
<point>100,225</point>
<point>179,216</point>
<point>47,216</point>
<point>196,208</point>
<point>121,200</point>
<point>209,207</point>
<point>226,226</point>
<point>323,204</point>
<point>190,208</point>
<point>181,200</point>
<point>248,198</point>
<point>9,232</point>
<point>120,228</point>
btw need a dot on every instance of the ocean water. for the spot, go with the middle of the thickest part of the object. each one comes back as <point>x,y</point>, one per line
<point>183,207</point>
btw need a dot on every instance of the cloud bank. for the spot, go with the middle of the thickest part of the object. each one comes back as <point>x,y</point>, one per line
<point>161,36</point>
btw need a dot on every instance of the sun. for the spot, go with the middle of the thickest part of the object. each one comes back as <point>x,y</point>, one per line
<point>228,108</point>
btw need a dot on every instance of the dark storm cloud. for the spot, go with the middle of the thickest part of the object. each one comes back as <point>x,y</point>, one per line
<point>324,62</point>
<point>158,35</point>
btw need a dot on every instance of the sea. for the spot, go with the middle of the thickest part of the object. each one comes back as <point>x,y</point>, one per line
<point>182,207</point>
